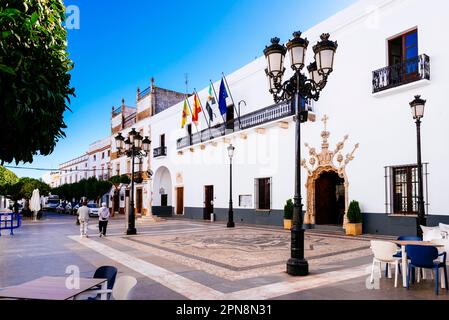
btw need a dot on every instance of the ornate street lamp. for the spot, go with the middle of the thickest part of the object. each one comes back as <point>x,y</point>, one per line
<point>418,106</point>
<point>135,146</point>
<point>231,223</point>
<point>295,90</point>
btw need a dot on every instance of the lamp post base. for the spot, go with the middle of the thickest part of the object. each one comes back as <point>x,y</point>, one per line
<point>298,267</point>
<point>131,232</point>
<point>231,225</point>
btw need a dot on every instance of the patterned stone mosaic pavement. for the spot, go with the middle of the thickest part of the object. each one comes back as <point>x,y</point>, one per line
<point>184,259</point>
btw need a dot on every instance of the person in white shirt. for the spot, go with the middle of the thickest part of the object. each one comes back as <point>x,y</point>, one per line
<point>103,216</point>
<point>83,218</point>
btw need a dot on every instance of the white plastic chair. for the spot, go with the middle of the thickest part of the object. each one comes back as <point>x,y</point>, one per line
<point>122,288</point>
<point>383,252</point>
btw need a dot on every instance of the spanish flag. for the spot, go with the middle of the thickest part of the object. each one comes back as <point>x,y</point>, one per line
<point>196,109</point>
<point>185,114</point>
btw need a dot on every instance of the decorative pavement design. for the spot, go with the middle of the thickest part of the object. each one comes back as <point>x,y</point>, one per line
<point>243,252</point>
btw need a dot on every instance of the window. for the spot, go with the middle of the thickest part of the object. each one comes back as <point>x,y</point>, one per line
<point>402,189</point>
<point>102,155</point>
<point>162,141</point>
<point>263,194</point>
<point>403,47</point>
<point>117,169</point>
<point>109,153</point>
<point>95,157</point>
<point>128,166</point>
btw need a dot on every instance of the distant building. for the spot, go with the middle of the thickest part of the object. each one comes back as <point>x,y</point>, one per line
<point>53,179</point>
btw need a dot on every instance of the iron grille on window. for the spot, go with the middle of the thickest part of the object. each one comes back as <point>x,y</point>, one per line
<point>401,189</point>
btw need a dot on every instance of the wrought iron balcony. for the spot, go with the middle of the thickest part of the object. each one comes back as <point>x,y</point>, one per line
<point>159,152</point>
<point>143,94</point>
<point>411,70</point>
<point>247,121</point>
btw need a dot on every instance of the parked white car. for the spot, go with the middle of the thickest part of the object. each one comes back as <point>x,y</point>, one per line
<point>93,209</point>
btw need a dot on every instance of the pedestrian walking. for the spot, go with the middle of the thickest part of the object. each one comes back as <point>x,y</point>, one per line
<point>83,217</point>
<point>103,216</point>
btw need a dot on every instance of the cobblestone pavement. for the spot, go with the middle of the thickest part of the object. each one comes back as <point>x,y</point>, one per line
<point>185,259</point>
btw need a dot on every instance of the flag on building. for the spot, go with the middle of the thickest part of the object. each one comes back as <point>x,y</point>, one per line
<point>222,105</point>
<point>209,111</point>
<point>211,95</point>
<point>185,114</point>
<point>196,109</point>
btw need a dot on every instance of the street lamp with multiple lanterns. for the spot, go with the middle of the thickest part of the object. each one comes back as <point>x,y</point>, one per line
<point>297,89</point>
<point>135,146</point>
<point>231,223</point>
<point>417,106</point>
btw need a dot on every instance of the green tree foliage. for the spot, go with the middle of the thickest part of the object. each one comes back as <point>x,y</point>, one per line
<point>7,176</point>
<point>117,180</point>
<point>24,187</point>
<point>34,78</point>
<point>90,188</point>
<point>354,213</point>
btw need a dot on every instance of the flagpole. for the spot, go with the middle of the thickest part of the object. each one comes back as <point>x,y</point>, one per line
<point>202,110</point>
<point>191,113</point>
<point>230,95</point>
<point>216,99</point>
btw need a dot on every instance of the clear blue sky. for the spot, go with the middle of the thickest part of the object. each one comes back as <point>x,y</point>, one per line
<point>121,44</point>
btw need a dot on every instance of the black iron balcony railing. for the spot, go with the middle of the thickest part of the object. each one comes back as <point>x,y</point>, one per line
<point>144,93</point>
<point>159,152</point>
<point>408,71</point>
<point>247,121</point>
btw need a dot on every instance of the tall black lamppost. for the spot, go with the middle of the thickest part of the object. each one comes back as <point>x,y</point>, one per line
<point>134,147</point>
<point>231,223</point>
<point>418,106</point>
<point>297,89</point>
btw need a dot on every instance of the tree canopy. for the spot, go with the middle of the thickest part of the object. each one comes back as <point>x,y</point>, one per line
<point>34,78</point>
<point>23,188</point>
<point>90,188</point>
<point>7,176</point>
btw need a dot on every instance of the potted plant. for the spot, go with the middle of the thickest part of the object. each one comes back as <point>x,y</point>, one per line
<point>355,219</point>
<point>288,214</point>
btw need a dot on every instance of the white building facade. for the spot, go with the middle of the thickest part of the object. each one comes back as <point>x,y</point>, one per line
<point>361,147</point>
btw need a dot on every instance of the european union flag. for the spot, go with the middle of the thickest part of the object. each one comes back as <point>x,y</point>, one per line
<point>222,105</point>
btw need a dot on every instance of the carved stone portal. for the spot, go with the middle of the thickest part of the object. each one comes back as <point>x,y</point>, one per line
<point>322,162</point>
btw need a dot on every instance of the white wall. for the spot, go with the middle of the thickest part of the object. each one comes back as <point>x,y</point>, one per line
<point>381,124</point>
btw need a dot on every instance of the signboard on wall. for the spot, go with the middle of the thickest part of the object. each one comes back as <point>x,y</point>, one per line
<point>245,201</point>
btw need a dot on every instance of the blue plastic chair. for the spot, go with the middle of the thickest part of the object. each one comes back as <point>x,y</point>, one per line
<point>399,253</point>
<point>426,257</point>
<point>105,272</point>
<point>406,238</point>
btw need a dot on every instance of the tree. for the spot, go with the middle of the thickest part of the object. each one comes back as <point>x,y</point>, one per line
<point>7,176</point>
<point>34,78</point>
<point>24,187</point>
<point>90,188</point>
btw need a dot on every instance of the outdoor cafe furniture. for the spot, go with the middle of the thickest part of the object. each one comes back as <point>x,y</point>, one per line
<point>384,252</point>
<point>403,245</point>
<point>426,257</point>
<point>122,288</point>
<point>105,272</point>
<point>52,288</point>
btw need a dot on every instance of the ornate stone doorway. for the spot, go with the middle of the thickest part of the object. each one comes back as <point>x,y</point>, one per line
<point>327,183</point>
<point>329,199</point>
